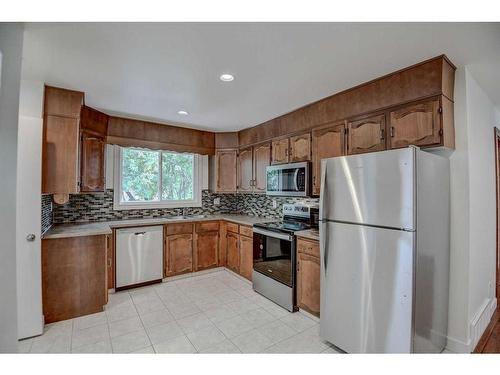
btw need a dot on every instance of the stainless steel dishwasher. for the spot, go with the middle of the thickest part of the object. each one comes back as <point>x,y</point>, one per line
<point>139,256</point>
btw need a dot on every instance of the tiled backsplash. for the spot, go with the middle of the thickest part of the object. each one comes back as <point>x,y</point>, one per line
<point>99,207</point>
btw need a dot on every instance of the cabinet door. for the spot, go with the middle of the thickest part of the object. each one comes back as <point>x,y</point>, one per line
<point>225,164</point>
<point>179,251</point>
<point>92,163</point>
<point>246,257</point>
<point>207,250</point>
<point>308,279</point>
<point>366,135</point>
<point>233,252</point>
<point>280,151</point>
<point>326,143</point>
<point>261,159</point>
<point>110,261</point>
<point>300,148</point>
<point>415,124</point>
<point>245,170</point>
<point>60,169</point>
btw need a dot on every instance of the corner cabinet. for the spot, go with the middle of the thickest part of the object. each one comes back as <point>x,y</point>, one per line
<point>245,170</point>
<point>225,170</point>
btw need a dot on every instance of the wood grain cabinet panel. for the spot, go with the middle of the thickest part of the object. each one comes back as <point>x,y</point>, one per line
<point>327,142</point>
<point>233,227</point>
<point>233,252</point>
<point>366,135</point>
<point>92,163</point>
<point>62,102</point>
<point>246,257</point>
<point>207,250</point>
<point>300,148</point>
<point>308,283</point>
<point>279,151</point>
<point>110,260</point>
<point>222,243</point>
<point>179,254</point>
<point>73,277</point>
<point>225,166</point>
<point>246,231</point>
<point>245,170</point>
<point>415,124</point>
<point>261,160</point>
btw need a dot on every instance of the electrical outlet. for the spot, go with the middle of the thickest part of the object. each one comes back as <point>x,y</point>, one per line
<point>275,203</point>
<point>216,201</point>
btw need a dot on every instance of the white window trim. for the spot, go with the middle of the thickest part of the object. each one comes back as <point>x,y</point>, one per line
<point>117,193</point>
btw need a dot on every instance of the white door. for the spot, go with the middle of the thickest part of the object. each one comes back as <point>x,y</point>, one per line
<point>366,288</point>
<point>375,188</point>
<point>28,219</point>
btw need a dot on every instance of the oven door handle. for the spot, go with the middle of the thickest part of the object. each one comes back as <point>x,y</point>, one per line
<point>269,233</point>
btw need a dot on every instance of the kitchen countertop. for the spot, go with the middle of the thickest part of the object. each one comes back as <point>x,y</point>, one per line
<point>311,234</point>
<point>105,227</point>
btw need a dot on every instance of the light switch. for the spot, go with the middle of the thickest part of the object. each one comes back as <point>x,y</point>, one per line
<point>216,201</point>
<point>275,203</point>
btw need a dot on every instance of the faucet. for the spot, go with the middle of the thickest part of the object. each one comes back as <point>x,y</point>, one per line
<point>184,211</point>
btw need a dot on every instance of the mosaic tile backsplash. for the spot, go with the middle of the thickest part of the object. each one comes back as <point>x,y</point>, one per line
<point>99,207</point>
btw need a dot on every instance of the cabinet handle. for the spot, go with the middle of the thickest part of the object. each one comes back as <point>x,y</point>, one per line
<point>392,131</point>
<point>109,262</point>
<point>286,152</point>
<point>381,134</point>
<point>314,180</point>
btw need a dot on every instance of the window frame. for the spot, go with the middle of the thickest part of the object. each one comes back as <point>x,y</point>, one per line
<point>117,192</point>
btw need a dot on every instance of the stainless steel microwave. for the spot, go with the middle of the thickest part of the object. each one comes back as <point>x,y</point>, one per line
<point>288,180</point>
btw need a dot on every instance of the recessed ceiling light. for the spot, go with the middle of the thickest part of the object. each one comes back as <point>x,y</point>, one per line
<point>226,77</point>
<point>183,113</point>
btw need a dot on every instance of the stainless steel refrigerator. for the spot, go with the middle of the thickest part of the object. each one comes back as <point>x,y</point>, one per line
<point>384,240</point>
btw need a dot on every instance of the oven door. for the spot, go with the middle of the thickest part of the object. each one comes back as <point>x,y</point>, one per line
<point>274,255</point>
<point>288,180</point>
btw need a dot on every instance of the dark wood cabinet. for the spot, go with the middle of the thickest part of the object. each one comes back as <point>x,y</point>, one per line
<point>233,251</point>
<point>179,254</point>
<point>416,124</point>
<point>366,134</point>
<point>308,276</point>
<point>245,170</point>
<point>280,150</point>
<point>246,257</point>
<point>261,159</point>
<point>300,148</point>
<point>92,159</point>
<point>110,260</point>
<point>73,277</point>
<point>225,169</point>
<point>327,142</point>
<point>207,245</point>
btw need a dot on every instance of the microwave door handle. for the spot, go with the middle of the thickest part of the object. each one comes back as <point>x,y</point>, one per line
<point>296,179</point>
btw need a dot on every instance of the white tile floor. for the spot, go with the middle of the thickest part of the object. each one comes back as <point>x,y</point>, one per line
<point>215,312</point>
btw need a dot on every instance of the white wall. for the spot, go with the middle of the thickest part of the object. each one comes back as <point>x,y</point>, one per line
<point>473,221</point>
<point>11,42</point>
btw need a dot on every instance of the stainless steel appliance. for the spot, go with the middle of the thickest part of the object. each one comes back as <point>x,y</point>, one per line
<point>384,240</point>
<point>288,179</point>
<point>274,255</point>
<point>139,256</point>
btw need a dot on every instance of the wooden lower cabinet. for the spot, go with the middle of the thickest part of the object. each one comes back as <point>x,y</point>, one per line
<point>233,251</point>
<point>73,277</point>
<point>308,276</point>
<point>246,257</point>
<point>207,250</point>
<point>110,260</point>
<point>179,254</point>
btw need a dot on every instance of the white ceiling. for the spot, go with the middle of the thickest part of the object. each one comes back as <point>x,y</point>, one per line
<point>150,71</point>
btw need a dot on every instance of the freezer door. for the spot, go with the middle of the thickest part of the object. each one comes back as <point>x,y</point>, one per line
<point>139,255</point>
<point>366,288</point>
<point>375,188</point>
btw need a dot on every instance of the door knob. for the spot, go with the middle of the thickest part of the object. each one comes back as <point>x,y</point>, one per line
<point>30,237</point>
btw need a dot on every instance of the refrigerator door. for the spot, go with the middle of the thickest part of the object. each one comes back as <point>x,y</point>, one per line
<point>366,288</point>
<point>375,189</point>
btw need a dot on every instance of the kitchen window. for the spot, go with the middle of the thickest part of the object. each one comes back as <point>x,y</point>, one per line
<point>156,179</point>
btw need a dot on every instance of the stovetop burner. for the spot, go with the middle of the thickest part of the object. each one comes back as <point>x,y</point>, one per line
<point>285,226</point>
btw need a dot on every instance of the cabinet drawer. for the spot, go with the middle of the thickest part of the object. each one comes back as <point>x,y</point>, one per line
<point>207,226</point>
<point>232,227</point>
<point>308,247</point>
<point>181,228</point>
<point>246,231</point>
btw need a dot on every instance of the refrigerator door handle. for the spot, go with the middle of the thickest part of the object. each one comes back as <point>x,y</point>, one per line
<point>322,242</point>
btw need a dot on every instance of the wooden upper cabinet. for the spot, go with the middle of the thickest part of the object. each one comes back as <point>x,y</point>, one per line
<point>416,124</point>
<point>246,257</point>
<point>62,102</point>
<point>327,142</point>
<point>225,166</point>
<point>207,249</point>
<point>245,170</point>
<point>300,148</point>
<point>261,160</point>
<point>92,163</point>
<point>233,252</point>
<point>179,254</point>
<point>280,150</point>
<point>94,122</point>
<point>60,169</point>
<point>366,135</point>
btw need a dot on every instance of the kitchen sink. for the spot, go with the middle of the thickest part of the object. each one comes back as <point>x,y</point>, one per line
<point>186,217</point>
